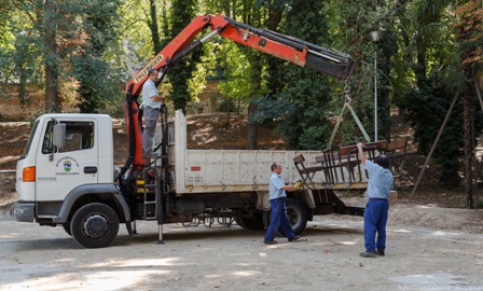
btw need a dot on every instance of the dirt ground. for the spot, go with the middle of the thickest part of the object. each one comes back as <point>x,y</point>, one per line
<point>230,258</point>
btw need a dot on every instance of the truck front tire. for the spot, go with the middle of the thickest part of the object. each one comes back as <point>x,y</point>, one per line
<point>94,225</point>
<point>297,215</point>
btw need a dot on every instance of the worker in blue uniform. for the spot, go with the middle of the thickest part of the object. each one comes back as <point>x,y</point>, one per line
<point>375,215</point>
<point>278,216</point>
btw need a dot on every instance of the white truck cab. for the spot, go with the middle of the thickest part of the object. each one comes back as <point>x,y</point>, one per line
<point>47,173</point>
<point>68,156</point>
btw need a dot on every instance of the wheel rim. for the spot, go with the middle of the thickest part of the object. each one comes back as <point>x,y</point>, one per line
<point>95,226</point>
<point>293,216</point>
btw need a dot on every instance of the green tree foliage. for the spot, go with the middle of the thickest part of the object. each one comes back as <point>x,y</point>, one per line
<point>95,32</point>
<point>427,122</point>
<point>154,26</point>
<point>260,14</point>
<point>351,23</point>
<point>232,75</point>
<point>51,58</point>
<point>182,13</point>
<point>135,31</point>
<point>71,41</point>
<point>307,91</point>
<point>29,30</point>
<point>25,56</point>
<point>241,71</point>
<point>435,63</point>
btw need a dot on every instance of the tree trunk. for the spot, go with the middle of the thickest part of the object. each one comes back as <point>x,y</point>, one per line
<point>463,35</point>
<point>182,13</point>
<point>51,75</point>
<point>255,81</point>
<point>153,26</point>
<point>468,145</point>
<point>252,134</point>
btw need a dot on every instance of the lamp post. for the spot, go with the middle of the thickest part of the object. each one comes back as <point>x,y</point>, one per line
<point>375,36</point>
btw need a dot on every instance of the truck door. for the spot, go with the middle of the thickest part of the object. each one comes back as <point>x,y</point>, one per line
<point>61,170</point>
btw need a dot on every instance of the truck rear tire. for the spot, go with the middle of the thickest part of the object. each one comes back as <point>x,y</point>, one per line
<point>254,222</point>
<point>94,225</point>
<point>297,215</point>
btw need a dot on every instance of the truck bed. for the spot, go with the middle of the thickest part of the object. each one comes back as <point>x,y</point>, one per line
<point>215,171</point>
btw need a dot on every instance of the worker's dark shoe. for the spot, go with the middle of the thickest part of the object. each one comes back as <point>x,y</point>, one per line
<point>381,252</point>
<point>368,254</point>
<point>269,242</point>
<point>296,238</point>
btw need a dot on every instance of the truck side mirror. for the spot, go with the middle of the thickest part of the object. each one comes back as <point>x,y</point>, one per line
<point>59,135</point>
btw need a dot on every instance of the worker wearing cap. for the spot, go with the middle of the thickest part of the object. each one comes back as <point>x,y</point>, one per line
<point>151,104</point>
<point>375,215</point>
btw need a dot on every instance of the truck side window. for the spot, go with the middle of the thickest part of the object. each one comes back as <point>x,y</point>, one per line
<point>48,143</point>
<point>79,136</point>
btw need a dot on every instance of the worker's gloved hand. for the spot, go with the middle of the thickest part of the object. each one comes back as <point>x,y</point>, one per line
<point>297,185</point>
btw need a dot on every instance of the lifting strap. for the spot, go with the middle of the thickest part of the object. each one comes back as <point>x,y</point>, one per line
<point>347,104</point>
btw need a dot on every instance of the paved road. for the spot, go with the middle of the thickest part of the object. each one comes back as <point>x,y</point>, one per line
<point>229,258</point>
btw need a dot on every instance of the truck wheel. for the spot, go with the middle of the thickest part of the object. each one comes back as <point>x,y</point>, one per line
<point>254,222</point>
<point>297,215</point>
<point>94,225</point>
<point>66,227</point>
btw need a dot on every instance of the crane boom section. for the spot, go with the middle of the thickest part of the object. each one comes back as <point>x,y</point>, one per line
<point>276,44</point>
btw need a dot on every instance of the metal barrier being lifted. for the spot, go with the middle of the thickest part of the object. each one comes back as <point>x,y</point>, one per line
<point>339,168</point>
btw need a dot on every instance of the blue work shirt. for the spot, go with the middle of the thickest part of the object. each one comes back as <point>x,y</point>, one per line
<point>275,190</point>
<point>149,90</point>
<point>380,180</point>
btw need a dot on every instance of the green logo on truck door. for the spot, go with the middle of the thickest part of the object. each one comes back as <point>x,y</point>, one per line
<point>68,165</point>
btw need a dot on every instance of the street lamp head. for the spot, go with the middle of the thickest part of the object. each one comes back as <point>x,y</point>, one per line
<point>375,36</point>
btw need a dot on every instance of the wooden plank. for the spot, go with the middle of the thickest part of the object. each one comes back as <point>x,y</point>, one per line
<point>370,146</point>
<point>399,144</point>
<point>351,186</point>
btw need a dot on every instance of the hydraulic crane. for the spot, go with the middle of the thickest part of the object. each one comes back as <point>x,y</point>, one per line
<point>288,48</point>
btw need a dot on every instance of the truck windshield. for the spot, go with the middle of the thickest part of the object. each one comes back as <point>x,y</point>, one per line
<point>31,137</point>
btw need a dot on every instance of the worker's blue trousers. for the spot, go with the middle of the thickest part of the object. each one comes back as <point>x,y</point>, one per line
<point>278,220</point>
<point>375,220</point>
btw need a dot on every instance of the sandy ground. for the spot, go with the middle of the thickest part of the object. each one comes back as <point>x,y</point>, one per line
<point>230,258</point>
<point>429,248</point>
